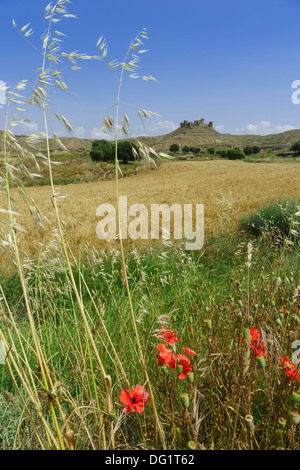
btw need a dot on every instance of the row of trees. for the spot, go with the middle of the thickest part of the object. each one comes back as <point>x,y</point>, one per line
<point>233,154</point>
<point>104,151</point>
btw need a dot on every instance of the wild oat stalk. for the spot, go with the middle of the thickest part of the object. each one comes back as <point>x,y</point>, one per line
<point>131,66</point>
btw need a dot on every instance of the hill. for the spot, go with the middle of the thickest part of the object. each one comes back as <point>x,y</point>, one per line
<point>204,135</point>
<point>197,136</point>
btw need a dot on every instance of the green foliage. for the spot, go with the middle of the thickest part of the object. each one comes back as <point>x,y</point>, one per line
<point>249,150</point>
<point>275,220</point>
<point>104,151</point>
<point>174,148</point>
<point>195,149</point>
<point>222,153</point>
<point>211,150</point>
<point>125,152</point>
<point>186,149</point>
<point>296,147</point>
<point>256,149</point>
<point>235,154</point>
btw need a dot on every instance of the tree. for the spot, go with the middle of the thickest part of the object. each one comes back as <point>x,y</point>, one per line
<point>186,149</point>
<point>235,154</point>
<point>174,148</point>
<point>295,147</point>
<point>248,150</point>
<point>256,149</point>
<point>211,150</point>
<point>222,153</point>
<point>102,151</point>
<point>125,150</point>
<point>195,149</point>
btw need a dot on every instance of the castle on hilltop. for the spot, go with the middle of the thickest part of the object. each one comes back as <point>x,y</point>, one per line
<point>198,122</point>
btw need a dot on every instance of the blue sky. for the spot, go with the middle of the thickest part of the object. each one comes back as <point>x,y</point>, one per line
<point>232,62</point>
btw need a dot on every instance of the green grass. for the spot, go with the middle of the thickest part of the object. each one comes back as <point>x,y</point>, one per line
<point>178,289</point>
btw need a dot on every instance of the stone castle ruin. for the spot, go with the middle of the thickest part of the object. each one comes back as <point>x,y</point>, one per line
<point>198,122</point>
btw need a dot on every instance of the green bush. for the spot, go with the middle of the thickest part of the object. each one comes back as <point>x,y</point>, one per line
<point>186,149</point>
<point>211,150</point>
<point>195,149</point>
<point>235,154</point>
<point>222,153</point>
<point>104,151</point>
<point>174,148</point>
<point>295,147</point>
<point>275,220</point>
<point>249,150</point>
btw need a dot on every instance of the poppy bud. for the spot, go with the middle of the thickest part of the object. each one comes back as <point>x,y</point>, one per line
<point>179,369</point>
<point>240,303</point>
<point>249,422</point>
<point>190,377</point>
<point>112,415</point>
<point>261,361</point>
<point>281,423</point>
<point>164,369</point>
<point>208,323</point>
<point>185,401</point>
<point>278,321</point>
<point>295,397</point>
<point>191,445</point>
<point>256,306</point>
<point>273,303</point>
<point>281,315</point>
<point>294,417</point>
<point>191,320</point>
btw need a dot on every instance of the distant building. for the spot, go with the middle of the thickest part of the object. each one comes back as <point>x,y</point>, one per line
<point>199,122</point>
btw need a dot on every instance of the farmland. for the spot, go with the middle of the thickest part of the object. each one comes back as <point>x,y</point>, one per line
<point>227,189</point>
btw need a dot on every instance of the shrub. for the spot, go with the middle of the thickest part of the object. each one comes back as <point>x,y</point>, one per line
<point>104,151</point>
<point>195,149</point>
<point>274,220</point>
<point>235,154</point>
<point>125,153</point>
<point>174,148</point>
<point>296,147</point>
<point>222,153</point>
<point>250,150</point>
<point>211,150</point>
<point>186,149</point>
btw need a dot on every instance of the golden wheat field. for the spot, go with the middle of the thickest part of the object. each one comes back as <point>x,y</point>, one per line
<point>228,189</point>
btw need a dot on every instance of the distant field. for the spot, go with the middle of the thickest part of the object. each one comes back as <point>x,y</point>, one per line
<point>228,189</point>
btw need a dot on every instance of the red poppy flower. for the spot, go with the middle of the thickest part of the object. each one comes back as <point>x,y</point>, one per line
<point>168,335</point>
<point>189,351</point>
<point>134,400</point>
<point>289,369</point>
<point>165,356</point>
<point>258,347</point>
<point>186,364</point>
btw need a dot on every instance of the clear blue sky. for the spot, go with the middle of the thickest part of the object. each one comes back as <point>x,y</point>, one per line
<point>231,62</point>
